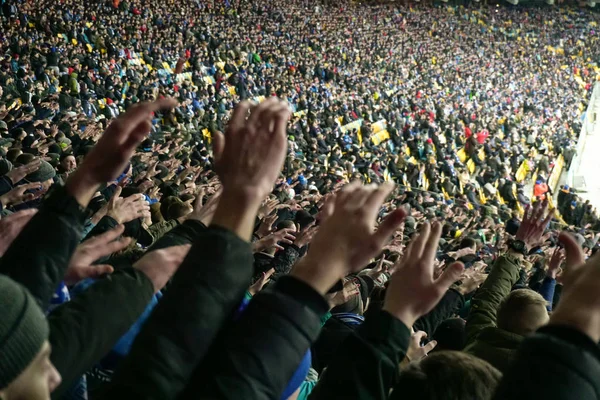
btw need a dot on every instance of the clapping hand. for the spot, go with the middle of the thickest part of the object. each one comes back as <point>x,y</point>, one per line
<point>413,289</point>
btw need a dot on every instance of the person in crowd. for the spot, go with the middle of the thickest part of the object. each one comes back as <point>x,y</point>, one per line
<point>264,200</point>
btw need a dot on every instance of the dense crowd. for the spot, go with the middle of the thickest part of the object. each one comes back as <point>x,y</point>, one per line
<point>367,165</point>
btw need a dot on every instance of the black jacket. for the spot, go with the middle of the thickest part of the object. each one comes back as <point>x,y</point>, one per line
<point>204,292</point>
<point>554,364</point>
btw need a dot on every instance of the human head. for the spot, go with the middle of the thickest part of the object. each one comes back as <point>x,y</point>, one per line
<point>522,312</point>
<point>68,162</point>
<point>26,371</point>
<point>448,375</point>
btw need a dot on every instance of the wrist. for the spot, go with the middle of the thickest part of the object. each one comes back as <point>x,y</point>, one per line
<point>115,216</point>
<point>237,212</point>
<point>320,277</point>
<point>82,187</point>
<point>403,315</point>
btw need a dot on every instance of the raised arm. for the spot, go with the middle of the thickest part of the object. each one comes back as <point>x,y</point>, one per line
<point>210,284</point>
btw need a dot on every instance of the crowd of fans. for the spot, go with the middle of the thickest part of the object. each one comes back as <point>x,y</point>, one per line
<point>367,165</point>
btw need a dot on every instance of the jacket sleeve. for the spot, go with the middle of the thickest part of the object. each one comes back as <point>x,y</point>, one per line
<point>273,334</point>
<point>556,363</point>
<point>496,287</point>
<point>204,292</point>
<point>84,329</point>
<point>39,256</point>
<point>182,234</point>
<point>104,225</point>
<point>450,303</point>
<point>366,365</point>
<point>285,260</point>
<point>547,291</point>
<point>5,185</point>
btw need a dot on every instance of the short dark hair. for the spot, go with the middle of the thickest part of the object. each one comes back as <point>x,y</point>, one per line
<point>522,312</point>
<point>448,375</point>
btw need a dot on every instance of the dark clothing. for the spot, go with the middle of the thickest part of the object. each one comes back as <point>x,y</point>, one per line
<point>366,364</point>
<point>205,291</point>
<point>273,334</point>
<point>484,339</point>
<point>554,364</point>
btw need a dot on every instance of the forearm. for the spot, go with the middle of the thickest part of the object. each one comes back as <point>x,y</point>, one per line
<point>39,256</point>
<point>80,333</point>
<point>366,365</point>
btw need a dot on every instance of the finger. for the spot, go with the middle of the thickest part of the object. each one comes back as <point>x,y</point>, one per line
<point>420,241</point>
<point>30,212</point>
<point>574,253</point>
<point>346,191</point>
<point>269,273</point>
<point>548,218</point>
<point>357,198</point>
<point>449,276</point>
<point>418,336</point>
<point>29,186</point>
<point>238,118</point>
<point>377,197</point>
<point>432,243</point>
<point>96,271</point>
<point>108,236</point>
<point>218,145</point>
<point>429,346</point>
<point>115,196</point>
<point>389,225</point>
<point>259,113</point>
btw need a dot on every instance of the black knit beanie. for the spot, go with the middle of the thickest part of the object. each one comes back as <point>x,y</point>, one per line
<point>23,330</point>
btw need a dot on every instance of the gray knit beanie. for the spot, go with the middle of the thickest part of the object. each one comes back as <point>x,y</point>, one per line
<point>23,330</point>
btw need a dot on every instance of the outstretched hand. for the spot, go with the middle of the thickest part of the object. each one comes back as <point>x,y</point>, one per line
<point>347,239</point>
<point>107,160</point>
<point>81,264</point>
<point>535,221</point>
<point>413,289</point>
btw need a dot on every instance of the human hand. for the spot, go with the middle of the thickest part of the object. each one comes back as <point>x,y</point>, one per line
<point>17,195</point>
<point>127,209</point>
<point>305,236</point>
<point>413,290</point>
<point>205,213</point>
<point>267,207</point>
<point>18,174</point>
<point>11,226</point>
<point>81,264</point>
<point>266,226</point>
<point>249,157</point>
<point>415,351</point>
<point>108,158</point>
<point>272,240</point>
<point>555,262</point>
<point>348,239</point>
<point>261,282</point>
<point>160,265</point>
<point>471,281</point>
<point>349,290</point>
<point>380,268</point>
<point>248,160</point>
<point>579,305</point>
<point>534,224</point>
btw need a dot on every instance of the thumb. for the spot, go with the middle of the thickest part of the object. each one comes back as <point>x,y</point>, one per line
<point>429,346</point>
<point>574,254</point>
<point>418,336</point>
<point>450,275</point>
<point>218,145</point>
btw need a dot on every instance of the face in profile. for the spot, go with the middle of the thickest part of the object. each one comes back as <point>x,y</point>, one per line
<point>37,381</point>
